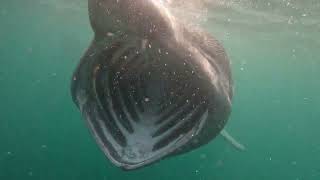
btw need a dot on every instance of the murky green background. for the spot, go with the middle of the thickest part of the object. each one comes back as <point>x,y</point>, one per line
<point>274,47</point>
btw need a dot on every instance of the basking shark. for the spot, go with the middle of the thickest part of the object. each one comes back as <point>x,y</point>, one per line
<point>148,86</point>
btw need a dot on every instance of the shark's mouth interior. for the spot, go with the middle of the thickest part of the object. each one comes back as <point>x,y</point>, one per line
<point>146,107</point>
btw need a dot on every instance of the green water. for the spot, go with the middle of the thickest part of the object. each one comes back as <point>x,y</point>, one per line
<point>274,49</point>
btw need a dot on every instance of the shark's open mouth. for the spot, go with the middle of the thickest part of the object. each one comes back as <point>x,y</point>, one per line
<point>144,108</point>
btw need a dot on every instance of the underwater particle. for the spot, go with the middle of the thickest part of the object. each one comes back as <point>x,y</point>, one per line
<point>306,100</point>
<point>294,56</point>
<point>304,15</point>
<point>146,99</point>
<point>294,163</point>
<point>9,153</point>
<point>30,50</point>
<point>288,3</point>
<point>241,68</point>
<point>43,146</point>
<point>203,156</point>
<point>3,12</point>
<point>227,34</point>
<point>30,173</point>
<point>219,163</point>
<point>110,34</point>
<point>290,20</point>
<point>196,171</point>
<point>315,172</point>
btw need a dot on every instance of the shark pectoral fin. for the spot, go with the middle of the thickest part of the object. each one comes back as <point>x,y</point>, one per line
<point>232,141</point>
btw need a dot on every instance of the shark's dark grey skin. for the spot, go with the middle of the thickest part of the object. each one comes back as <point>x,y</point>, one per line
<point>148,86</point>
